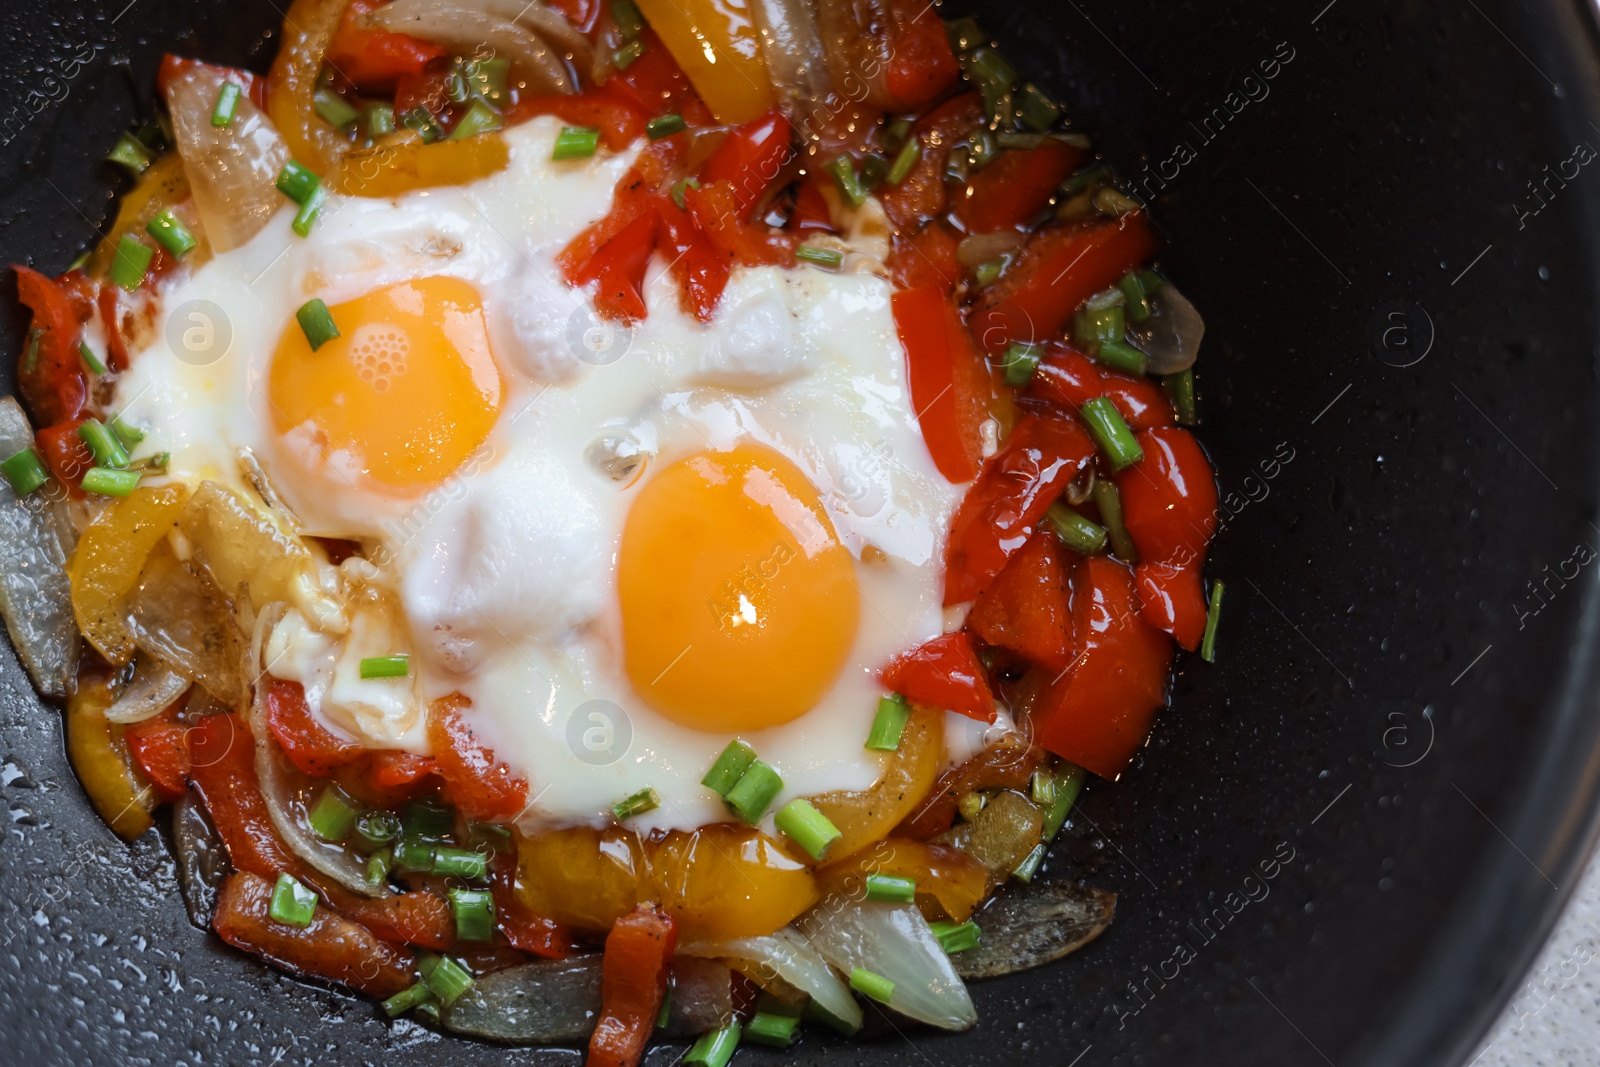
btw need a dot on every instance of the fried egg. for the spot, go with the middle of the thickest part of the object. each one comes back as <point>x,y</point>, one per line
<point>625,545</point>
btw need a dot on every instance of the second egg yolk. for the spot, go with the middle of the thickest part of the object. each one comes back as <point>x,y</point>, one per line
<point>739,604</point>
<point>405,393</point>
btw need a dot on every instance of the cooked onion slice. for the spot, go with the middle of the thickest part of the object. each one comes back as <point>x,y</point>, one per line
<point>153,689</point>
<point>467,27</point>
<point>894,941</point>
<point>792,960</point>
<point>1030,925</point>
<point>36,537</point>
<point>335,862</point>
<point>791,44</point>
<point>1171,335</point>
<point>546,1002</point>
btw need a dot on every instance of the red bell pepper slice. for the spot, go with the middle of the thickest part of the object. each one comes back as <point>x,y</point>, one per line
<point>921,195</point>
<point>926,258</point>
<point>811,213</point>
<point>1002,508</point>
<point>1171,600</point>
<point>636,193</point>
<point>1066,379</point>
<point>921,66</point>
<point>581,13</point>
<point>64,452</point>
<point>943,673</point>
<point>950,383</point>
<point>1060,268</point>
<point>1007,764</point>
<point>414,918</point>
<point>656,85</point>
<point>51,379</point>
<point>310,746</point>
<point>633,981</point>
<point>376,59</point>
<point>524,928</point>
<point>160,749</point>
<point>618,118</point>
<point>109,302</point>
<point>750,157</point>
<point>715,210</point>
<point>700,267</point>
<point>331,947</point>
<point>1026,609</point>
<point>254,85</point>
<point>223,768</point>
<point>483,788</point>
<point>1169,498</point>
<point>1100,712</point>
<point>619,269</point>
<point>1015,187</point>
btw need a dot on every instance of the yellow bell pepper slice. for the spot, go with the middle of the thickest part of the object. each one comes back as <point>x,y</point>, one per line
<point>100,758</point>
<point>162,186</point>
<point>716,44</point>
<point>872,814</point>
<point>726,881</point>
<point>308,30</point>
<point>400,166</point>
<point>109,558</point>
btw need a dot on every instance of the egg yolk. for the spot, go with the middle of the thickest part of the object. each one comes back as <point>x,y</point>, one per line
<point>739,604</point>
<point>405,393</point>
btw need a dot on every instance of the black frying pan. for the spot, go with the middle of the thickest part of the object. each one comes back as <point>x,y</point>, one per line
<point>1348,838</point>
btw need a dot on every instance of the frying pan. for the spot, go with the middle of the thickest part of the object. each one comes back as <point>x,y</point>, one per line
<point>1345,840</point>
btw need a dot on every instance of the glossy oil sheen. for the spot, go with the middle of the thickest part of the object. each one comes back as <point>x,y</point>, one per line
<point>1304,851</point>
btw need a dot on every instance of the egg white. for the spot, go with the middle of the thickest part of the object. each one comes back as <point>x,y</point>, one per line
<point>504,575</point>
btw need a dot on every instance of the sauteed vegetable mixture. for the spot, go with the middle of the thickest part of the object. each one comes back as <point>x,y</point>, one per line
<point>320,699</point>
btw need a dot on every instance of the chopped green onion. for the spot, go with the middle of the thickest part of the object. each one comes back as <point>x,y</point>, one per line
<point>292,903</point>
<point>644,800</point>
<point>316,323</point>
<point>1068,784</point>
<point>132,156</point>
<point>982,148</point>
<point>421,121</point>
<point>630,23</point>
<point>1030,864</point>
<point>407,999</point>
<point>334,109</point>
<point>753,793</point>
<point>730,766</point>
<point>1076,532</point>
<point>103,445</point>
<point>1151,282</point>
<point>465,863</point>
<point>989,271</point>
<point>335,815</point>
<point>297,182</point>
<point>128,434</point>
<point>385,666</point>
<point>897,131</point>
<point>1134,296</point>
<point>775,1031</point>
<point>808,827</point>
<point>1109,501</point>
<point>957,167</point>
<point>843,170</point>
<point>993,76</point>
<point>1111,433</point>
<point>24,471</point>
<point>576,142</point>
<point>480,118</point>
<point>970,803</point>
<point>1208,642</point>
<point>157,461</point>
<point>1180,389</point>
<point>874,168</point>
<point>380,119</point>
<point>490,838</point>
<point>90,360</point>
<point>682,186</point>
<point>378,865</point>
<point>665,126</point>
<point>131,262</point>
<point>1115,202</point>
<point>889,723</point>
<point>1036,110</point>
<point>891,888</point>
<point>445,977</point>
<point>963,33</point>
<point>1098,326</point>
<point>429,1010</point>
<point>1012,139</point>
<point>623,57</point>
<point>716,1048</point>
<point>871,985</point>
<point>172,234</point>
<point>1122,357</point>
<point>227,104</point>
<point>413,854</point>
<point>488,78</point>
<point>306,217</point>
<point>956,937</point>
<point>822,257</point>
<point>429,820</point>
<point>905,161</point>
<point>665,1013</point>
<point>1019,362</point>
<point>1081,181</point>
<point>1042,788</point>
<point>474,914</point>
